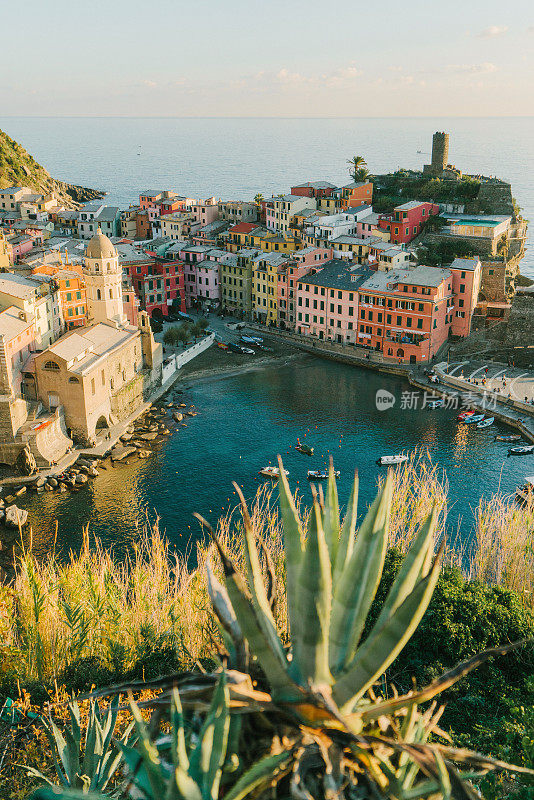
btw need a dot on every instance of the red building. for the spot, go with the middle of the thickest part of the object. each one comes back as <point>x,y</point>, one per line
<point>314,189</point>
<point>354,194</point>
<point>407,220</point>
<point>157,283</point>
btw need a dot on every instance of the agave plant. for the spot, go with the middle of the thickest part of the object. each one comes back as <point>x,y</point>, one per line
<point>86,763</point>
<point>332,578</point>
<point>185,766</point>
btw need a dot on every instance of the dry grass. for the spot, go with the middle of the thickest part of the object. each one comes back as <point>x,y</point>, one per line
<point>92,605</point>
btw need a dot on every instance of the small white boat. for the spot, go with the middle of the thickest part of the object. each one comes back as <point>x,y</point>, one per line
<point>437,403</point>
<point>272,472</point>
<point>525,450</point>
<point>486,422</point>
<point>526,492</point>
<point>389,460</point>
<point>475,418</point>
<point>321,474</point>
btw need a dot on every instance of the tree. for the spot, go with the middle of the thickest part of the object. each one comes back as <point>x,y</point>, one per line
<point>202,323</point>
<point>170,337</point>
<point>182,334</point>
<point>258,199</point>
<point>357,165</point>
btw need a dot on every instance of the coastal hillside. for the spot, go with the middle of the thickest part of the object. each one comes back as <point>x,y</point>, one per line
<point>19,168</point>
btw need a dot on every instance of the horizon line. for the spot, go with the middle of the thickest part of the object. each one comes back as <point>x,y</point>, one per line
<point>197,116</point>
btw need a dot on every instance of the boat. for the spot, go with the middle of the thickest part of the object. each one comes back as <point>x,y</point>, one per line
<point>321,474</point>
<point>304,449</point>
<point>464,415</point>
<point>524,450</point>
<point>272,472</point>
<point>248,340</point>
<point>389,460</point>
<point>437,403</point>
<point>511,437</point>
<point>474,418</point>
<point>526,492</point>
<point>222,345</point>
<point>486,422</point>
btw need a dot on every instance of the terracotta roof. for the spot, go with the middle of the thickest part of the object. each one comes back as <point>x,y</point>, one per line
<point>243,227</point>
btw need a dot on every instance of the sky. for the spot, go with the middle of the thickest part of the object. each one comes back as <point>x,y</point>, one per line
<point>267,58</point>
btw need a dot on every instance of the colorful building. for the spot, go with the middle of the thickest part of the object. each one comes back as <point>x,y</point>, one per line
<point>407,221</point>
<point>354,194</point>
<point>235,277</point>
<point>327,301</point>
<point>265,287</point>
<point>406,314</point>
<point>158,282</point>
<point>278,215</point>
<point>466,280</point>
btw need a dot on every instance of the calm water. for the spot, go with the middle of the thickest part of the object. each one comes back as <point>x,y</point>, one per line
<point>244,422</point>
<point>236,158</point>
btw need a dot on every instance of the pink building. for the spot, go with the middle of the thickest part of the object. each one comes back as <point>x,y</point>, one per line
<point>327,301</point>
<point>310,259</point>
<point>466,278</point>
<point>407,220</point>
<point>206,211</point>
<point>20,245</point>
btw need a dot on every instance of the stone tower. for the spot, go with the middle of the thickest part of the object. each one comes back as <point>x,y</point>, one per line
<point>103,281</point>
<point>440,151</point>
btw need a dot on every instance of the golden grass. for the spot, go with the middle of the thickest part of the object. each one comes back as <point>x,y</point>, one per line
<point>56,612</point>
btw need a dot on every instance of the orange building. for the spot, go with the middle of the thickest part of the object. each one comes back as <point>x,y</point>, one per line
<point>71,291</point>
<point>354,194</point>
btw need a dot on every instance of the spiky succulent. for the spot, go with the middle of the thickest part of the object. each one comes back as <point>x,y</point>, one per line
<point>332,577</point>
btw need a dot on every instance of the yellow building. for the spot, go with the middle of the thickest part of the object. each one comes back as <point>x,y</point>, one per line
<point>276,243</point>
<point>265,287</point>
<point>5,252</point>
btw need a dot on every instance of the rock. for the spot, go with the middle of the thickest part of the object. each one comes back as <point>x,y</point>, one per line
<point>21,491</point>
<point>48,488</point>
<point>148,437</point>
<point>15,517</point>
<point>53,482</point>
<point>144,453</point>
<point>40,482</point>
<point>2,503</point>
<point>126,437</point>
<point>10,498</point>
<point>163,431</point>
<point>81,478</point>
<point>25,462</point>
<point>120,452</point>
<point>62,488</point>
<point>177,416</point>
<point>182,405</point>
<point>93,472</point>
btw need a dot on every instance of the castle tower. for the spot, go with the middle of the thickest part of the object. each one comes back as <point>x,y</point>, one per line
<point>103,281</point>
<point>440,151</point>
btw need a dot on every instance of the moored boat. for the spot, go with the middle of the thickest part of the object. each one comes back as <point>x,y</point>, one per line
<point>526,492</point>
<point>524,450</point>
<point>303,448</point>
<point>464,415</point>
<point>272,472</point>
<point>473,419</point>
<point>321,474</point>
<point>435,403</point>
<point>486,422</point>
<point>390,460</point>
<point>511,437</point>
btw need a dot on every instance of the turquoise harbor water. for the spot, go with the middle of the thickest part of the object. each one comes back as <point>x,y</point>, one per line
<point>244,421</point>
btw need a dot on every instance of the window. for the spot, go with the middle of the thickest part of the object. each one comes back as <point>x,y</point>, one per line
<point>408,322</point>
<point>462,288</point>
<point>70,312</point>
<point>72,379</point>
<point>399,320</point>
<point>93,388</point>
<point>51,366</point>
<point>419,323</point>
<point>98,294</point>
<point>69,297</point>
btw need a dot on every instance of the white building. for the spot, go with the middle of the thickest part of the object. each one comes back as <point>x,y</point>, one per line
<point>38,299</point>
<point>283,208</point>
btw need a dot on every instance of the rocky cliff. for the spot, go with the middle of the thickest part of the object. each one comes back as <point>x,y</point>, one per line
<point>19,168</point>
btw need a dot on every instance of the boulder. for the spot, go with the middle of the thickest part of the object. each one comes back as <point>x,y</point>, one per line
<point>40,482</point>
<point>177,416</point>
<point>148,437</point>
<point>120,452</point>
<point>81,478</point>
<point>48,488</point>
<point>62,487</point>
<point>53,482</point>
<point>21,491</point>
<point>93,472</point>
<point>126,437</point>
<point>144,453</point>
<point>15,517</point>
<point>25,462</point>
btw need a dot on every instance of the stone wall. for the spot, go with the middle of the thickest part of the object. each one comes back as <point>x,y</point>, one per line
<point>494,197</point>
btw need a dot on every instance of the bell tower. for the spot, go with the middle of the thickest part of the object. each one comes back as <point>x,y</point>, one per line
<point>103,282</point>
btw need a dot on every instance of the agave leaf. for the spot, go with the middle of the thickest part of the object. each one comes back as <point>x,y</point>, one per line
<point>34,773</point>
<point>439,684</point>
<point>255,579</point>
<point>188,789</point>
<point>148,752</point>
<point>52,741</point>
<point>227,618</point>
<point>331,513</point>
<point>210,753</point>
<point>415,566</point>
<point>88,763</point>
<point>68,752</point>
<point>179,750</point>
<point>110,722</point>
<point>74,713</point>
<point>274,663</point>
<point>315,599</point>
<point>359,581</point>
<point>293,549</point>
<point>346,538</point>
<point>383,645</point>
<point>136,769</point>
<point>264,771</point>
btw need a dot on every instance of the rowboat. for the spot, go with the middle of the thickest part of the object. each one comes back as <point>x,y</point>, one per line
<point>486,422</point>
<point>304,449</point>
<point>321,475</point>
<point>464,415</point>
<point>511,437</point>
<point>526,492</point>
<point>390,460</point>
<point>475,418</point>
<point>272,472</point>
<point>524,450</point>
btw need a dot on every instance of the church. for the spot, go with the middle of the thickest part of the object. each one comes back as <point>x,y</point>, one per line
<point>92,377</point>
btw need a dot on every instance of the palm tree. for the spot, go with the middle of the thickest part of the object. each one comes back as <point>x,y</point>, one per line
<point>258,199</point>
<point>357,165</point>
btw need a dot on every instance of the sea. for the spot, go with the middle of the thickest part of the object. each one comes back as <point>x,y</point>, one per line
<point>245,419</point>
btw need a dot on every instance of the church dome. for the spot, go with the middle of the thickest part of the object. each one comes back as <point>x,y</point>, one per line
<point>100,247</point>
